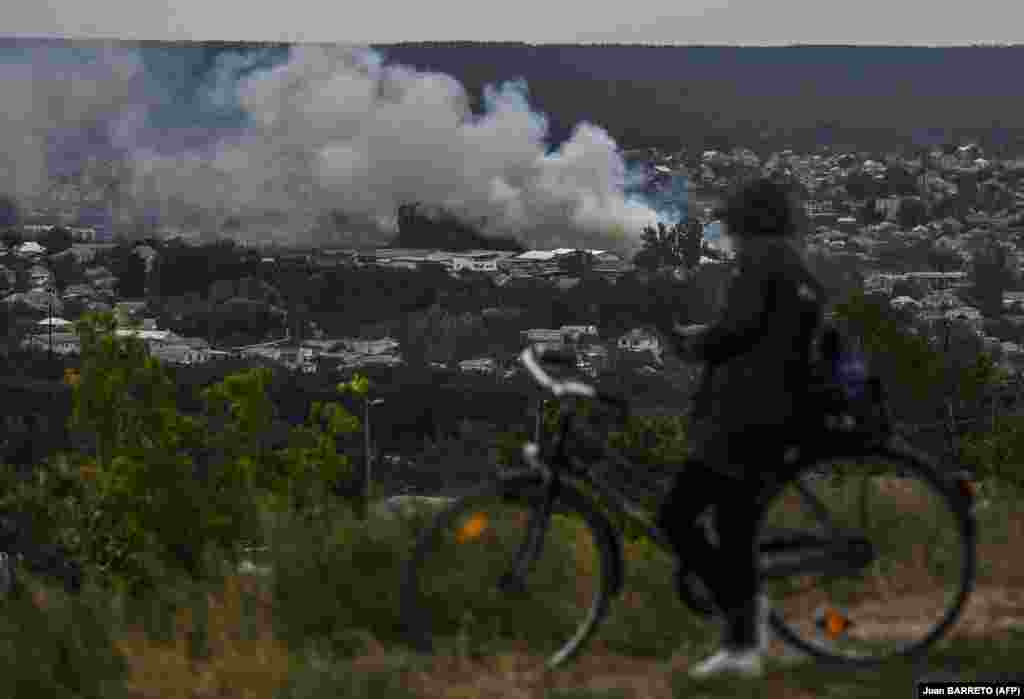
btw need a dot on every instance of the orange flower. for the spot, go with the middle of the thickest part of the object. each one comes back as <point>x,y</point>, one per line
<point>88,471</point>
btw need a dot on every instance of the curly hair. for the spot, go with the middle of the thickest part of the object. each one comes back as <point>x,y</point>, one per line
<point>762,207</point>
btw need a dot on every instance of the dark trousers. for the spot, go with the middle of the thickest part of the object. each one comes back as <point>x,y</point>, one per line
<point>728,566</point>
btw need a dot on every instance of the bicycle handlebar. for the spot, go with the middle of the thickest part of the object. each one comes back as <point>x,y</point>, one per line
<point>531,359</point>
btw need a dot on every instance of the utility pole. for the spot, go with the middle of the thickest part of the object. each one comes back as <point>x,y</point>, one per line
<point>50,292</point>
<point>950,415</point>
<point>367,456</point>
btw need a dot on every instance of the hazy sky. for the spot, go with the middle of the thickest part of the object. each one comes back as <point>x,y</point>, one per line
<point>749,22</point>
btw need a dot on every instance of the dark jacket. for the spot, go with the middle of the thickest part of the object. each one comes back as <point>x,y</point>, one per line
<point>758,354</point>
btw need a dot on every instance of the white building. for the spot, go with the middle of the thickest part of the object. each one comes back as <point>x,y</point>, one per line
<point>483,365</point>
<point>31,248</point>
<point>543,335</point>
<point>575,332</point>
<point>370,347</point>
<point>638,340</point>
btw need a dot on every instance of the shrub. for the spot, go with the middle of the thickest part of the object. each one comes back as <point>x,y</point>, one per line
<point>167,494</point>
<point>318,677</point>
<point>55,645</point>
<point>335,575</point>
<point>997,454</point>
<point>652,449</point>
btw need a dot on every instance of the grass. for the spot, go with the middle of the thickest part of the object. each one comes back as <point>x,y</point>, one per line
<point>325,625</point>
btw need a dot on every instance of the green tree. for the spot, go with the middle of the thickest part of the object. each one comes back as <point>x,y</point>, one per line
<point>12,237</point>
<point>692,244</point>
<point>577,264</point>
<point>990,278</point>
<point>912,213</point>
<point>869,213</point>
<point>660,247</point>
<point>166,489</point>
<point>130,270</point>
<point>943,259</point>
<point>909,366</point>
<point>908,288</point>
<point>56,240</point>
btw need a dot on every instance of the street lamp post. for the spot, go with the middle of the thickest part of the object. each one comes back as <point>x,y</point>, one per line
<point>367,458</point>
<point>50,291</point>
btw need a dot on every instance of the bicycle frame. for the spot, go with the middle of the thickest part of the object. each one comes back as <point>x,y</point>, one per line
<point>558,467</point>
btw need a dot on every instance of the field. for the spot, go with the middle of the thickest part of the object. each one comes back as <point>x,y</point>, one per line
<point>324,625</point>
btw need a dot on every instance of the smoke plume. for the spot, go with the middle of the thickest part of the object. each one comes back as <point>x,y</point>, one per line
<point>331,129</point>
<point>61,107</point>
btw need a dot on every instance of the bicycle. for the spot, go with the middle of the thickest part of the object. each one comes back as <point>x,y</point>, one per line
<point>804,536</point>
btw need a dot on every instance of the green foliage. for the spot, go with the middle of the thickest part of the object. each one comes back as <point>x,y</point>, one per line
<point>900,357</point>
<point>998,453</point>
<point>167,492</point>
<point>328,577</point>
<point>56,240</point>
<point>312,468</point>
<point>655,447</point>
<point>316,676</point>
<point>991,276</point>
<point>63,648</point>
<point>664,246</point>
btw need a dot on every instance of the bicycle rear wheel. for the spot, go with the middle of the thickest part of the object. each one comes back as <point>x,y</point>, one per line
<point>460,591</point>
<point>895,581</point>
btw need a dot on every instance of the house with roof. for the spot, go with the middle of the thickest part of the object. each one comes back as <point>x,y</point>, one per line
<point>483,365</point>
<point>370,347</point>
<point>31,249</point>
<point>77,291</point>
<point>473,262</point>
<point>639,340</point>
<point>54,322</point>
<point>38,300</point>
<point>64,343</point>
<point>575,333</point>
<point>547,336</point>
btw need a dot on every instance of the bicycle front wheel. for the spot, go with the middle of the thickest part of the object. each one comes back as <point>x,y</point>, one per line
<point>896,577</point>
<point>469,589</point>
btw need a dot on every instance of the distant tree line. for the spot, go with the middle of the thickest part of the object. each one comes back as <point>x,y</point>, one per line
<point>765,98</point>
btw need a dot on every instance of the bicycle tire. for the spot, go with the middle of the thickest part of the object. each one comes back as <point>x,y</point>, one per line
<point>522,490</point>
<point>959,508</point>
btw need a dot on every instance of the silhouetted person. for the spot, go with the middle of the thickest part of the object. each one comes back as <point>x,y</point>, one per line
<point>757,366</point>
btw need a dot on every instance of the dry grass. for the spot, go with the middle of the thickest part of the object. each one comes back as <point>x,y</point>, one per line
<point>254,664</point>
<point>238,667</point>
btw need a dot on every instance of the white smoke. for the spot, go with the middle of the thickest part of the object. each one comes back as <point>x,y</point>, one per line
<point>51,97</point>
<point>336,128</point>
<point>330,129</point>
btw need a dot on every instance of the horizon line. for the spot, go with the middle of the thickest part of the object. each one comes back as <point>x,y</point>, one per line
<point>508,42</point>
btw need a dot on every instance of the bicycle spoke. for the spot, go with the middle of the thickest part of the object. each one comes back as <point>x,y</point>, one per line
<point>902,572</point>
<point>479,574</point>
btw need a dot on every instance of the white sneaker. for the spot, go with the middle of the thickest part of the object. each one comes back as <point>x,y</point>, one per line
<point>745,662</point>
